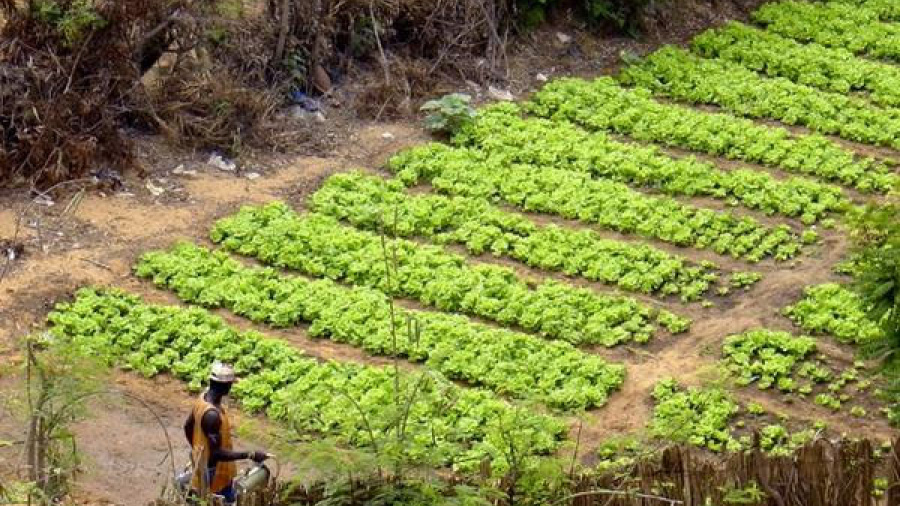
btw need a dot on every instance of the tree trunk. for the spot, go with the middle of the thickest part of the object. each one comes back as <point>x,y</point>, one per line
<point>285,13</point>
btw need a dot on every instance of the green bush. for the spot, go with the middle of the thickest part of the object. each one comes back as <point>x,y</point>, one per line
<point>72,20</point>
<point>449,113</point>
<point>621,13</point>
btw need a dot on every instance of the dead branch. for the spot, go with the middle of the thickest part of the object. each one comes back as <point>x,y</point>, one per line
<point>618,493</point>
<point>284,27</point>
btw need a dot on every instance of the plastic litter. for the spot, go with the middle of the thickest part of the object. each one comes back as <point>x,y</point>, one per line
<point>305,101</point>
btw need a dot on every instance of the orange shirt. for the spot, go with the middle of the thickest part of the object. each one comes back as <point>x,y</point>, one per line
<point>225,471</point>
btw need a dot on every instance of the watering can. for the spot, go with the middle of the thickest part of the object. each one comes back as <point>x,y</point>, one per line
<point>253,479</point>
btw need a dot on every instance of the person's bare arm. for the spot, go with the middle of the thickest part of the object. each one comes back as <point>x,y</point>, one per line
<point>189,429</point>
<point>212,427</point>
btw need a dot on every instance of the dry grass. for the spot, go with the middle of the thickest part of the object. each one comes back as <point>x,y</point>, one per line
<point>207,108</point>
<point>404,50</point>
<point>64,101</point>
<point>64,97</point>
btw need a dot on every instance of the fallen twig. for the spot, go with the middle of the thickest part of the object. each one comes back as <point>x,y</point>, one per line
<point>98,264</point>
<point>6,267</point>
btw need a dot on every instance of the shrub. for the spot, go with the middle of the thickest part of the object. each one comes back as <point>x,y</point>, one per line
<point>623,14</point>
<point>449,113</point>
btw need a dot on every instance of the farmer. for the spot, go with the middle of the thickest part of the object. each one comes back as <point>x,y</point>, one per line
<point>208,430</point>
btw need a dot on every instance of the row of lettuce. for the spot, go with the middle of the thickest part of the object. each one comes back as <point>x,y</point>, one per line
<point>864,29</point>
<point>682,75</point>
<point>831,69</point>
<point>605,105</point>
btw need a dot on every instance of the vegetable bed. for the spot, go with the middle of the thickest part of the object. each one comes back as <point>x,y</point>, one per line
<point>608,204</point>
<point>304,393</point>
<point>373,203</point>
<point>508,362</point>
<point>476,264</point>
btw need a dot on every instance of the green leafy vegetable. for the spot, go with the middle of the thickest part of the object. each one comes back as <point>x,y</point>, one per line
<point>602,104</point>
<point>508,362</point>
<point>606,203</point>
<point>351,402</point>
<point>833,309</point>
<point>699,416</point>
